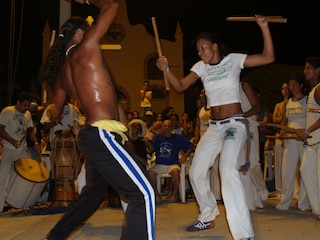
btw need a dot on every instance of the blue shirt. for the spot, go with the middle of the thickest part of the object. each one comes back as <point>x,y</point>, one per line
<point>167,148</point>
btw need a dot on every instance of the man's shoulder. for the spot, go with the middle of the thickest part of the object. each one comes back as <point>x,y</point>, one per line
<point>179,137</point>
<point>27,114</point>
<point>8,110</point>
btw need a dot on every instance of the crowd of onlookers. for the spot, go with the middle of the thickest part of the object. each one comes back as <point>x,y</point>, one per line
<point>37,131</point>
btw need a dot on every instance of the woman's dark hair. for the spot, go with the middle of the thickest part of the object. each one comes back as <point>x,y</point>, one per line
<point>214,38</point>
<point>165,112</point>
<point>299,78</point>
<point>174,115</point>
<point>51,67</point>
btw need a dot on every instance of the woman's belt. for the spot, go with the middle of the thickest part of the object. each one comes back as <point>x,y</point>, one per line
<point>239,118</point>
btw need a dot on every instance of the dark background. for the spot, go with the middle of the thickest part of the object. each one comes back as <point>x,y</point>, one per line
<point>22,23</point>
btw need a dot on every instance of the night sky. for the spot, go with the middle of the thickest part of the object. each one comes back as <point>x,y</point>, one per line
<point>294,41</point>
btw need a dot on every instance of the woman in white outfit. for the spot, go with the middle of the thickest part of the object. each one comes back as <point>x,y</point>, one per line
<point>279,143</point>
<point>254,184</point>
<point>226,135</point>
<point>294,116</point>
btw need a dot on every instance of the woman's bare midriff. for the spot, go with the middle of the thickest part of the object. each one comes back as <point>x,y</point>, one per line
<point>225,111</point>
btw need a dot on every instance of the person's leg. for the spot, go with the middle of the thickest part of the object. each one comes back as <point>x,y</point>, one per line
<point>206,152</point>
<point>278,152</point>
<point>261,154</point>
<point>80,208</point>
<point>255,167</point>
<point>153,176</point>
<point>310,172</point>
<point>127,177</point>
<point>246,180</point>
<point>215,183</point>
<point>233,194</point>
<point>289,164</point>
<point>303,200</point>
<point>6,166</point>
<point>104,167</point>
<point>175,175</point>
<point>9,156</point>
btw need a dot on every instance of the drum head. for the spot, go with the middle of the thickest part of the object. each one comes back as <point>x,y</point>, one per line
<point>31,170</point>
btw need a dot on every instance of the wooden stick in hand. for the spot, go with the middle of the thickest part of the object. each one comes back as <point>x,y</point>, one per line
<point>156,35</point>
<point>275,19</point>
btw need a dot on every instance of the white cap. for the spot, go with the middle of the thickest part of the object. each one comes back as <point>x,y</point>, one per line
<point>142,123</point>
<point>149,113</point>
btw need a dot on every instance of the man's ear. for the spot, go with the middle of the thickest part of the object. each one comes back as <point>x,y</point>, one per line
<point>79,33</point>
<point>215,46</point>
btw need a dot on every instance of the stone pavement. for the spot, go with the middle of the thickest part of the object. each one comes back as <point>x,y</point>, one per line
<point>171,219</point>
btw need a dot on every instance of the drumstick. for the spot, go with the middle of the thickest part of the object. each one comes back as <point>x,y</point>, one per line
<point>314,110</point>
<point>284,137</point>
<point>22,139</point>
<point>275,19</point>
<point>53,37</point>
<point>156,35</point>
<point>288,129</point>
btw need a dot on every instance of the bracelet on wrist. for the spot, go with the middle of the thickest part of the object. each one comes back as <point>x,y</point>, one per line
<point>87,2</point>
<point>307,132</point>
<point>167,69</point>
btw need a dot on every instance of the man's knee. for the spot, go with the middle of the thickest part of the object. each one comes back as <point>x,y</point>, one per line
<point>174,172</point>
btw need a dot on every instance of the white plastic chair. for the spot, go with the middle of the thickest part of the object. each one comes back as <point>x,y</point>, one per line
<point>183,173</point>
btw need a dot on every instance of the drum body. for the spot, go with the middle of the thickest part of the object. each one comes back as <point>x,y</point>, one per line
<point>27,180</point>
<point>63,193</point>
<point>65,157</point>
<point>65,168</point>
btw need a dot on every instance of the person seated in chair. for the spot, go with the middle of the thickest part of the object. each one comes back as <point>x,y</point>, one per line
<point>167,147</point>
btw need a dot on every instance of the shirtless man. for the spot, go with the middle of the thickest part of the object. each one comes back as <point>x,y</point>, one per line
<point>81,73</point>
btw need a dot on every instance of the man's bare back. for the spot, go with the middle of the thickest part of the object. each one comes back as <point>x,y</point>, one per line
<point>91,84</point>
<point>84,75</point>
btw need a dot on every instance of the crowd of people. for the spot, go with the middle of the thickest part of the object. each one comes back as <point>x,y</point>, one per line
<point>117,146</point>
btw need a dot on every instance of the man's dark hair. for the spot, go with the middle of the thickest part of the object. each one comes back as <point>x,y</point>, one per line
<point>57,54</point>
<point>314,62</point>
<point>23,96</point>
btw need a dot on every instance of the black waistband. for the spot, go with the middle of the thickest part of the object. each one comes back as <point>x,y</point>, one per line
<point>226,120</point>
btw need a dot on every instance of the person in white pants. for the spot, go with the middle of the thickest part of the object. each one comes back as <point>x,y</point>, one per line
<point>202,123</point>
<point>310,163</point>
<point>254,184</point>
<point>279,144</point>
<point>227,133</point>
<point>294,116</point>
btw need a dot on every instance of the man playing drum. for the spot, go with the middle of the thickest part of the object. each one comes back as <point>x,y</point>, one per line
<point>70,120</point>
<point>15,124</point>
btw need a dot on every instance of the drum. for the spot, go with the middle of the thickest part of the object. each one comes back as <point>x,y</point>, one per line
<point>65,157</point>
<point>64,192</point>
<point>27,180</point>
<point>65,167</point>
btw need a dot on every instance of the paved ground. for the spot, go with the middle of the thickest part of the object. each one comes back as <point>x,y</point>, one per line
<point>171,220</point>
